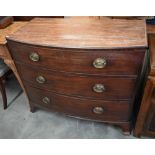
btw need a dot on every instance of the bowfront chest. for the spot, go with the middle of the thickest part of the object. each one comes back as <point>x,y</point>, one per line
<point>87,68</point>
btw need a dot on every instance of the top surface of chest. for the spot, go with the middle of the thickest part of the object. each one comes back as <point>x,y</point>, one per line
<point>86,34</point>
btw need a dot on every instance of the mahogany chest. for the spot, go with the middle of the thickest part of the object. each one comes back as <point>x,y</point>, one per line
<point>87,68</point>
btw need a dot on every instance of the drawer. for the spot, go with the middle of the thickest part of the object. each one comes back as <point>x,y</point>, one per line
<point>98,87</point>
<point>105,62</point>
<point>80,107</point>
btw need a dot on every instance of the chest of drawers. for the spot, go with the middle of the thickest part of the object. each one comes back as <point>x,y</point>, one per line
<point>87,68</point>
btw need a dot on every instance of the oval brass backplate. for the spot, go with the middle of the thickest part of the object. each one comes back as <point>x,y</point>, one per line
<point>98,88</point>
<point>46,100</point>
<point>100,63</point>
<point>40,79</point>
<point>98,110</point>
<point>34,57</point>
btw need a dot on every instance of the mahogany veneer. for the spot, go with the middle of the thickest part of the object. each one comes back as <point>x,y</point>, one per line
<point>72,84</point>
<point>82,67</point>
<point>120,61</point>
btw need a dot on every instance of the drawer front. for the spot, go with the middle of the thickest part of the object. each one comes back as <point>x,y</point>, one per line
<point>106,62</point>
<point>85,86</point>
<point>92,109</point>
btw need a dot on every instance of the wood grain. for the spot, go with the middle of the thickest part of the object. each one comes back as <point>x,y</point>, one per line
<point>147,110</point>
<point>152,55</point>
<point>145,105</point>
<point>4,53</point>
<point>10,30</point>
<point>119,62</point>
<point>87,33</point>
<point>80,107</point>
<point>28,18</point>
<point>150,29</point>
<point>115,88</point>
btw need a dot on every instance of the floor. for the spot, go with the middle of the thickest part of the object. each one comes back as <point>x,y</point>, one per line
<point>18,122</point>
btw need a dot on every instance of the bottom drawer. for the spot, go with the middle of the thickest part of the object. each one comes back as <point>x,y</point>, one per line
<point>90,109</point>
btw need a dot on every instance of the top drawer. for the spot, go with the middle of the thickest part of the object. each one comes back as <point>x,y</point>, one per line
<point>102,62</point>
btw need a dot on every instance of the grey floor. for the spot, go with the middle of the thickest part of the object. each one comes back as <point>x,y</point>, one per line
<point>18,122</point>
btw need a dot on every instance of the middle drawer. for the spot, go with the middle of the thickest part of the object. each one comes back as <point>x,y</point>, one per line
<point>108,88</point>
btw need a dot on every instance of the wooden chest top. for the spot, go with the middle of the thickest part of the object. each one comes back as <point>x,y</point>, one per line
<point>86,34</point>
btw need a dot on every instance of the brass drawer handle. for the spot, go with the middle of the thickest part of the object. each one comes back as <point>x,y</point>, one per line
<point>98,110</point>
<point>99,88</point>
<point>46,100</point>
<point>99,63</point>
<point>40,79</point>
<point>34,57</point>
